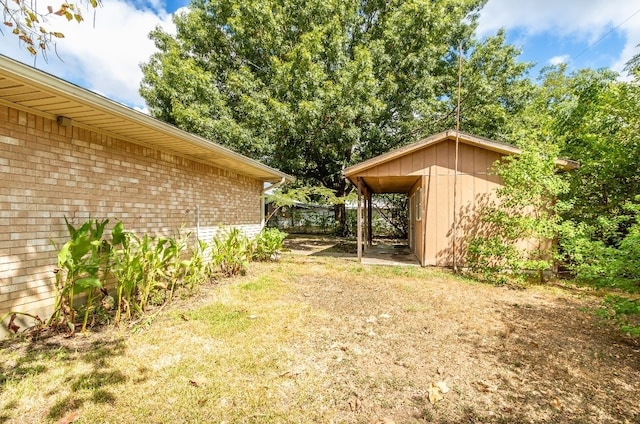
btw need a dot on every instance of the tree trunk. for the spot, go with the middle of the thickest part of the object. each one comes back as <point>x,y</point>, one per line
<point>341,220</point>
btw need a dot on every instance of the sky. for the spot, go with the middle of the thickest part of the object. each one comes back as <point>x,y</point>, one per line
<point>104,57</point>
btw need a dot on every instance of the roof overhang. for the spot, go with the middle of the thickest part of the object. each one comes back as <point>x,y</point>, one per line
<point>403,184</point>
<point>25,88</point>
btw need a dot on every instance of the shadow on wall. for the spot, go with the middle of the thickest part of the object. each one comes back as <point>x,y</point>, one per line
<point>469,225</point>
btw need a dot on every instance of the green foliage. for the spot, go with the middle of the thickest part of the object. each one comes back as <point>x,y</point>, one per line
<point>527,211</point>
<point>594,262</point>
<point>83,262</point>
<point>313,87</point>
<point>145,271</point>
<point>268,244</point>
<point>492,258</point>
<point>231,252</point>
<point>625,312</point>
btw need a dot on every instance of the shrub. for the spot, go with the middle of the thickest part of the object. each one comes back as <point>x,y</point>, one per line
<point>268,244</point>
<point>230,252</point>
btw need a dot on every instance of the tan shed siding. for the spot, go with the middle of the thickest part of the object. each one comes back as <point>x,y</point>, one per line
<point>49,172</point>
<point>475,189</point>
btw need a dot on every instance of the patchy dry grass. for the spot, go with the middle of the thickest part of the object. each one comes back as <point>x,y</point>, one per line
<point>324,339</point>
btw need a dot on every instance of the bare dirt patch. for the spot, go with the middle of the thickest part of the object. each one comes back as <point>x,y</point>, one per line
<point>321,338</point>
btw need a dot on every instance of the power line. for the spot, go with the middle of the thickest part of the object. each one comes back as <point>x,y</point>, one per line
<point>606,35</point>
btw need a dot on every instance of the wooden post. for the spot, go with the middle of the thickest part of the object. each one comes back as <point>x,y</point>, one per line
<point>359,220</point>
<point>370,219</point>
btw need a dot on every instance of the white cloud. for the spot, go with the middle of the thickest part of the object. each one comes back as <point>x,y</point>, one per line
<point>104,58</point>
<point>557,60</point>
<point>580,20</point>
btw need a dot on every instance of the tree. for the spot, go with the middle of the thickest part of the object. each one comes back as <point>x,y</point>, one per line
<point>312,87</point>
<point>31,25</point>
<point>633,65</point>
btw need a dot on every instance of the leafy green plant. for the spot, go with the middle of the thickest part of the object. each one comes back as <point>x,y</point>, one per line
<point>527,211</point>
<point>230,252</point>
<point>82,266</point>
<point>268,244</point>
<point>625,312</point>
<point>490,258</point>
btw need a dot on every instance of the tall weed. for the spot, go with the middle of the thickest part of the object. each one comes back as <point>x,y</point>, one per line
<point>268,245</point>
<point>230,252</point>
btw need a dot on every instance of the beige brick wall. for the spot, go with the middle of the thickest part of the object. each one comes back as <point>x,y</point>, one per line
<point>49,172</point>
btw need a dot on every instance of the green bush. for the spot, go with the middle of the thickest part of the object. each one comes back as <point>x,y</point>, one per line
<point>146,271</point>
<point>268,245</point>
<point>490,258</point>
<point>230,252</point>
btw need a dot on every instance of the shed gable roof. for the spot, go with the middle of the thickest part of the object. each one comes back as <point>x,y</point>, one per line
<point>28,89</point>
<point>469,139</point>
<point>401,183</point>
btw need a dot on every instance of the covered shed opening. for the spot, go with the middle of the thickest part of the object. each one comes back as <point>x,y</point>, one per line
<point>367,187</point>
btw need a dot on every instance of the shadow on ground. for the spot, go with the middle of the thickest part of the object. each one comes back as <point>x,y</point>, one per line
<point>88,375</point>
<point>556,362</point>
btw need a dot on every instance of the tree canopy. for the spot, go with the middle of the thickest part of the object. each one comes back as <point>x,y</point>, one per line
<point>314,86</point>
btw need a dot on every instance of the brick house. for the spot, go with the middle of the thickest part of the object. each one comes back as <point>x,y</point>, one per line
<point>67,152</point>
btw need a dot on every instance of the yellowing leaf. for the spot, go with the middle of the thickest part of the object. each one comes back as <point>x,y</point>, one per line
<point>78,17</point>
<point>57,34</point>
<point>555,402</point>
<point>32,50</point>
<point>434,394</point>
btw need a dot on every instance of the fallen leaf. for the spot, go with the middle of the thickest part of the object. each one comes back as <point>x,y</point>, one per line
<point>13,327</point>
<point>198,381</point>
<point>484,386</point>
<point>434,394</point>
<point>355,405</point>
<point>555,402</point>
<point>69,418</point>
<point>383,420</point>
<point>184,317</point>
<point>442,386</point>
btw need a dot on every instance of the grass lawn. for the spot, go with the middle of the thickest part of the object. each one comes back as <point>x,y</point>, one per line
<point>322,339</point>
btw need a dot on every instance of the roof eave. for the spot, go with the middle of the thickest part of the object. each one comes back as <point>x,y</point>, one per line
<point>30,75</point>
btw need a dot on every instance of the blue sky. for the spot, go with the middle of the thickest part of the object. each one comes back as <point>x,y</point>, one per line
<point>106,58</point>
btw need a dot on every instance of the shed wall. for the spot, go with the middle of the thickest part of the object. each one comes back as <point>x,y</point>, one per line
<point>50,172</point>
<point>475,190</point>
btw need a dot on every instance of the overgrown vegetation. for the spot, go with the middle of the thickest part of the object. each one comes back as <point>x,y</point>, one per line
<point>121,276</point>
<point>515,238</point>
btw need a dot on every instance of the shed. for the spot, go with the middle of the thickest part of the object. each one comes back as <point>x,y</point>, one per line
<point>439,187</point>
<point>68,152</point>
